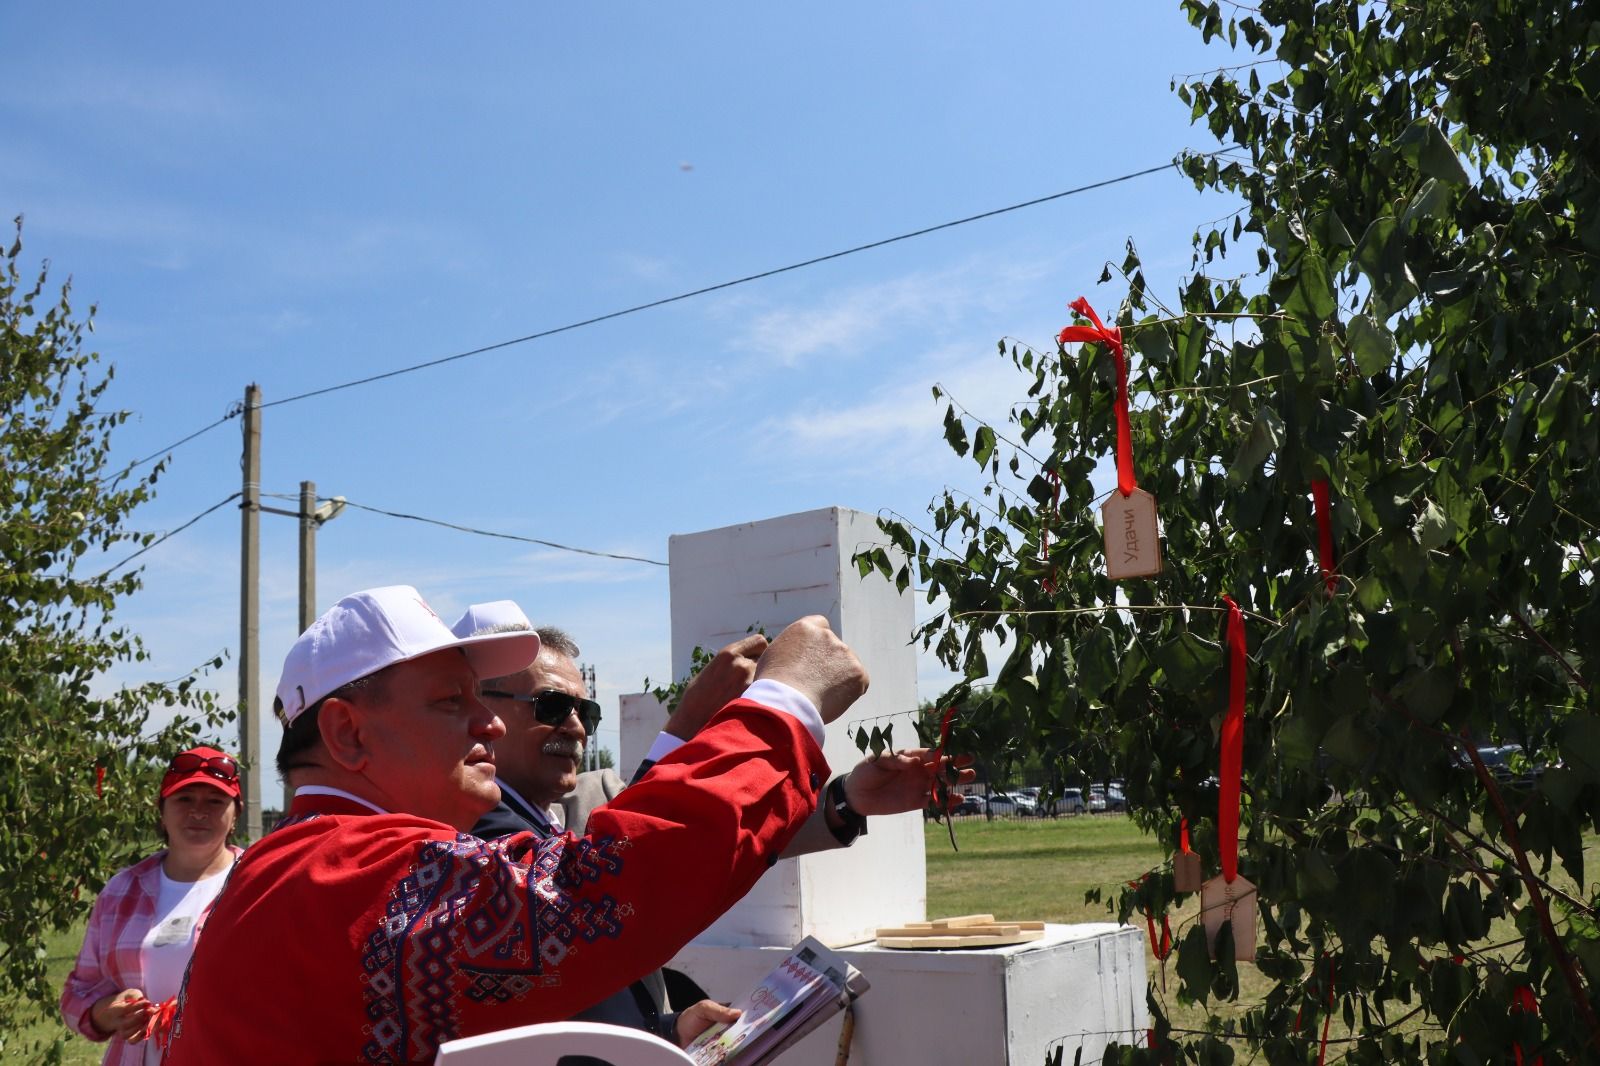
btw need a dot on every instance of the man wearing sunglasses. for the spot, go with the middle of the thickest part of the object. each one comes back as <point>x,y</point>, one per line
<point>548,718</point>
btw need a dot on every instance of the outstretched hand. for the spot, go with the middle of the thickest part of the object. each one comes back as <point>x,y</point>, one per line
<point>900,781</point>
<point>810,658</point>
<point>719,683</point>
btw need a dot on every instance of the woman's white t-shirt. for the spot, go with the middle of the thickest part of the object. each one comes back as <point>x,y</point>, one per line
<point>164,954</point>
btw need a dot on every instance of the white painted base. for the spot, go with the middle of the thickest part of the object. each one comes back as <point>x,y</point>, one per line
<point>992,1006</point>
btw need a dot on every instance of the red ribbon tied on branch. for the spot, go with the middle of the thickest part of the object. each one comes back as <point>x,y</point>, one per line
<point>1319,496</point>
<point>1523,1001</point>
<point>99,782</point>
<point>1232,757</point>
<point>1111,337</point>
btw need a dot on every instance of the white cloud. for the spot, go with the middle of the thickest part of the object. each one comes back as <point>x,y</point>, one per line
<point>849,321</point>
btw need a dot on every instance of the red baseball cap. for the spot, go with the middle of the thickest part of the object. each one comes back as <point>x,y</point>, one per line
<point>201,766</point>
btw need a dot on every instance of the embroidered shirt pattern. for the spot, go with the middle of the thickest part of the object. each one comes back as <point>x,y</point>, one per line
<point>466,919</point>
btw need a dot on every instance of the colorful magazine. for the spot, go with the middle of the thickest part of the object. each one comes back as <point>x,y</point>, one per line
<point>810,985</point>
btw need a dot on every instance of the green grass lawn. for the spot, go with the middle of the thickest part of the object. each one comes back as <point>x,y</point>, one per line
<point>1039,870</point>
<point>23,1046</point>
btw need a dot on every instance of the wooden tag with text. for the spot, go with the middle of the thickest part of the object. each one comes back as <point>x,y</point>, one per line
<point>1133,545</point>
<point>1221,901</point>
<point>1186,872</point>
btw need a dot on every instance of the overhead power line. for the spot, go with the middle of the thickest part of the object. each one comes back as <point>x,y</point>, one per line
<point>169,534</point>
<point>712,288</point>
<point>504,536</point>
<point>635,309</point>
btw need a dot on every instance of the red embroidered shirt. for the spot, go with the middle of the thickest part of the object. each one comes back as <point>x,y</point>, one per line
<point>352,937</point>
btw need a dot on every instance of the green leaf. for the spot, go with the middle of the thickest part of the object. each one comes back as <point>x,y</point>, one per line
<point>1429,201</point>
<point>1429,150</point>
<point>1434,528</point>
<point>1427,693</point>
<point>1187,661</point>
<point>1266,434</point>
<point>1312,300</point>
<point>954,432</point>
<point>1194,963</point>
<point>1372,344</point>
<point>983,446</point>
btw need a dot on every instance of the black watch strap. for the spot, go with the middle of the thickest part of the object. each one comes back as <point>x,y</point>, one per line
<point>852,823</point>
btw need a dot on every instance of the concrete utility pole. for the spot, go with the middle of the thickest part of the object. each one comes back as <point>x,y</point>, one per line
<point>311,518</point>
<point>250,616</point>
<point>308,554</point>
<point>591,755</point>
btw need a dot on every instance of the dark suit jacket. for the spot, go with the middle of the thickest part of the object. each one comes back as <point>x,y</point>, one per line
<point>639,1006</point>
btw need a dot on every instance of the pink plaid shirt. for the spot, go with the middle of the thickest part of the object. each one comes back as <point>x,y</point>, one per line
<point>109,959</point>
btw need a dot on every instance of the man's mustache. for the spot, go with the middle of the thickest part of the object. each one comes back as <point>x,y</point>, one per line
<point>569,747</point>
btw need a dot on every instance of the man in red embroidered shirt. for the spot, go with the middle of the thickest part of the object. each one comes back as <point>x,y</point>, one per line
<point>367,928</point>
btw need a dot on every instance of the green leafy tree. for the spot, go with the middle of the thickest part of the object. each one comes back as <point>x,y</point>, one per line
<point>78,766</point>
<point>1414,322</point>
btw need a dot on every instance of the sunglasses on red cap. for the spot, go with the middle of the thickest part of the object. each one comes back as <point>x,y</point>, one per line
<point>221,767</point>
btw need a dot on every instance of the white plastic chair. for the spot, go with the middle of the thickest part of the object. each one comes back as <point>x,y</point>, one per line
<point>544,1044</point>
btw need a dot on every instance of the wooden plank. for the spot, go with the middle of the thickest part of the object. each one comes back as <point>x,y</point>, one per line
<point>920,929</point>
<point>1022,936</point>
<point>965,919</point>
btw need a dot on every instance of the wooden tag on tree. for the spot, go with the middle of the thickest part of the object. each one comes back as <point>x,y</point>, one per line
<point>1233,901</point>
<point>1133,544</point>
<point>1186,873</point>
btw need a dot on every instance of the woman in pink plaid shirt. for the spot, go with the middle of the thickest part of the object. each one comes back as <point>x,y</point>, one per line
<point>143,926</point>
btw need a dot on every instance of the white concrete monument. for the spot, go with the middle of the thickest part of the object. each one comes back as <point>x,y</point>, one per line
<point>987,1005</point>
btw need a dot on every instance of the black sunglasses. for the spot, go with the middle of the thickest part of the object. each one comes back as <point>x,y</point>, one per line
<point>551,707</point>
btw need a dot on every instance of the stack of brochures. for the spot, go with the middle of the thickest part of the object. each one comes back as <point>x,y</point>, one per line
<point>809,986</point>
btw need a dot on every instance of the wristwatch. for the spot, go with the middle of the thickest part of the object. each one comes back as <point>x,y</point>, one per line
<point>851,822</point>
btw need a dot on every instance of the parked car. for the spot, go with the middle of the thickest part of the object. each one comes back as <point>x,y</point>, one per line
<point>1068,801</point>
<point>1003,804</point>
<point>1506,763</point>
<point>970,805</point>
<point>1107,798</point>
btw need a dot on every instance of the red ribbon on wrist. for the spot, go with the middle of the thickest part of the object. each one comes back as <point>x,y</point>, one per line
<point>1111,337</point>
<point>1319,496</point>
<point>1232,756</point>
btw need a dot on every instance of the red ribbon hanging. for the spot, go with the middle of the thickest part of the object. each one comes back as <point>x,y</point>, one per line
<point>1183,836</point>
<point>1232,758</point>
<point>1111,337</point>
<point>1523,1001</point>
<point>1322,1049</point>
<point>1319,495</point>
<point>1163,947</point>
<point>99,781</point>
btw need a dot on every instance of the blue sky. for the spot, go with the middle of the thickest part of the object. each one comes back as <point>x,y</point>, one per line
<point>306,194</point>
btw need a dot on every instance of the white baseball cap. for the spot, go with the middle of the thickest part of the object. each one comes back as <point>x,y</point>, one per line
<point>367,631</point>
<point>500,616</point>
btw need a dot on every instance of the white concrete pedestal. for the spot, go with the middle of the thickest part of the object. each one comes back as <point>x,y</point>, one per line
<point>1084,984</point>
<point>985,1007</point>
